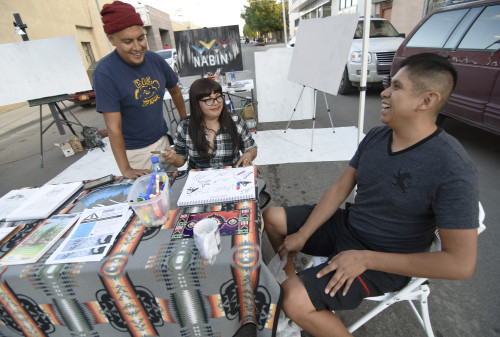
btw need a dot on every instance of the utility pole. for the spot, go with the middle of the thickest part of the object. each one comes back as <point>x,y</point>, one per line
<point>18,24</point>
<point>284,19</point>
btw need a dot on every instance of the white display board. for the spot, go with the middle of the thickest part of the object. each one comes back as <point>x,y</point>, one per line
<point>276,95</point>
<point>321,50</point>
<point>41,68</point>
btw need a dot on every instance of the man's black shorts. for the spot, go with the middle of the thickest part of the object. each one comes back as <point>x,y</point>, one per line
<point>333,237</point>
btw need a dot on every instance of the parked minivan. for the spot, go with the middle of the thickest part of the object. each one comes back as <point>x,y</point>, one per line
<point>468,35</point>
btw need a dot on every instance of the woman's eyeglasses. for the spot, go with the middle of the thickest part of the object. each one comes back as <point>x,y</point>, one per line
<point>211,101</point>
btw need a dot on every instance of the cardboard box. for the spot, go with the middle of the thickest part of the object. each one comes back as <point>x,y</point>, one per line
<point>75,143</point>
<point>66,149</point>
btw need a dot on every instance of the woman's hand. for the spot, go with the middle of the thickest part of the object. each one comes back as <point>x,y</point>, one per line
<point>245,160</point>
<point>169,155</point>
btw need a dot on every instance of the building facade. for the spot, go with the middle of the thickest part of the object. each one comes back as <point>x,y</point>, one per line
<point>81,19</point>
<point>403,14</point>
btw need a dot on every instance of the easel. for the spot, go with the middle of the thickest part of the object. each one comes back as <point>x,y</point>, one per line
<point>57,114</point>
<point>314,113</point>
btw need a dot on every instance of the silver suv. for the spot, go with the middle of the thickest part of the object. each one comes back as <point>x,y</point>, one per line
<point>170,56</point>
<point>384,41</point>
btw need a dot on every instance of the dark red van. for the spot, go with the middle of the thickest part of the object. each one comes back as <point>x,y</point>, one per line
<point>468,34</point>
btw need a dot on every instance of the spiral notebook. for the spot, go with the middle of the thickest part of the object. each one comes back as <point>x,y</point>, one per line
<point>219,185</point>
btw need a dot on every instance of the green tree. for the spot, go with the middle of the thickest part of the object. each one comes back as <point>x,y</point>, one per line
<point>264,16</point>
<point>249,32</point>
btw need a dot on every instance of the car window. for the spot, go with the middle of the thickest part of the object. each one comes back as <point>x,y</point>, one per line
<point>166,54</point>
<point>435,31</point>
<point>485,33</point>
<point>459,32</point>
<point>378,28</point>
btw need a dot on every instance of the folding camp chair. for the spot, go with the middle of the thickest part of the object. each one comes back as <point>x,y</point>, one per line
<point>416,290</point>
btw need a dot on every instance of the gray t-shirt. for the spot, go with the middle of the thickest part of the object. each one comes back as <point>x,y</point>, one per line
<point>403,196</point>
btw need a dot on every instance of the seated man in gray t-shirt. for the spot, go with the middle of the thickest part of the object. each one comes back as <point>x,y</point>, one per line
<point>411,178</point>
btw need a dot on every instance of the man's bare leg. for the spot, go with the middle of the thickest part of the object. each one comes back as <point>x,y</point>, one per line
<point>298,307</point>
<point>276,229</point>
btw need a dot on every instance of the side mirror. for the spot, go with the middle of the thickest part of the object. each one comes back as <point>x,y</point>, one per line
<point>403,35</point>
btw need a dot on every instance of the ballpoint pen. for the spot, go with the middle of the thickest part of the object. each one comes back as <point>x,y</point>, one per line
<point>162,151</point>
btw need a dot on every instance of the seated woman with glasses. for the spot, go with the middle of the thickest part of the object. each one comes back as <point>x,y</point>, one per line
<point>211,137</point>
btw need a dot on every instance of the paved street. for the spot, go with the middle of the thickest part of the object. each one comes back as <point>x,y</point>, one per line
<point>457,308</point>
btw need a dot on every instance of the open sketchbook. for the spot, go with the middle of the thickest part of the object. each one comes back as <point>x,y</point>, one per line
<point>220,185</point>
<point>35,203</point>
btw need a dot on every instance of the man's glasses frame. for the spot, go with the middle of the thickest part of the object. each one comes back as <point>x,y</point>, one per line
<point>211,101</point>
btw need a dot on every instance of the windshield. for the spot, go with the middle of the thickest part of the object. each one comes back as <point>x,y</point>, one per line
<point>378,28</point>
<point>166,54</point>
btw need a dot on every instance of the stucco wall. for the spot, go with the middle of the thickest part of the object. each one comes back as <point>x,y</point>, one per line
<point>406,14</point>
<point>55,18</point>
<point>161,31</point>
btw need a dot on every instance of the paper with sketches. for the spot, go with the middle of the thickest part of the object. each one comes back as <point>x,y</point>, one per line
<point>93,235</point>
<point>36,203</point>
<point>221,185</point>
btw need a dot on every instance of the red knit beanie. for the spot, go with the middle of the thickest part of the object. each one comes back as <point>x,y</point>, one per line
<point>119,15</point>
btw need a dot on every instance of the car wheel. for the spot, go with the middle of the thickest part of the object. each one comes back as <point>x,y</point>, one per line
<point>345,87</point>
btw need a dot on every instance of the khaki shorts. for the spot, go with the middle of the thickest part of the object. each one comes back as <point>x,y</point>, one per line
<point>140,159</point>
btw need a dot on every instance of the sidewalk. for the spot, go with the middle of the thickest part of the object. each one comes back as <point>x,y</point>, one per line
<point>17,119</point>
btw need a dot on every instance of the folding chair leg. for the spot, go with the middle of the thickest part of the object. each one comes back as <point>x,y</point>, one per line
<point>415,289</point>
<point>368,316</point>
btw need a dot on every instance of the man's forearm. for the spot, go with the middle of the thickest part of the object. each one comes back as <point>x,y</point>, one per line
<point>330,202</point>
<point>178,100</point>
<point>456,262</point>
<point>118,147</point>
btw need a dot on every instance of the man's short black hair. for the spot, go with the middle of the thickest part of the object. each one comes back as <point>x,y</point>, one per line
<point>430,62</point>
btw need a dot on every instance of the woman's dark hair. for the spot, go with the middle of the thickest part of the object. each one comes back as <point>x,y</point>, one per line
<point>201,88</point>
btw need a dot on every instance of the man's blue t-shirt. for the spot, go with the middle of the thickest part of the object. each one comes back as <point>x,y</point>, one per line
<point>137,93</point>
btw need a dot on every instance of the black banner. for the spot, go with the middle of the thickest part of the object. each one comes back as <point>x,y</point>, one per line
<point>204,50</point>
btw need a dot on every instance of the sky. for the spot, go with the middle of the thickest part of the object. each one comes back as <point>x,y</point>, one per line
<point>204,13</point>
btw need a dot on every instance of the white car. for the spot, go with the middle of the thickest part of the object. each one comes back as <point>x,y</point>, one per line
<point>170,56</point>
<point>384,41</point>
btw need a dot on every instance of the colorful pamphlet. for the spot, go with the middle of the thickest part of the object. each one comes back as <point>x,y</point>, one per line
<point>39,241</point>
<point>93,235</point>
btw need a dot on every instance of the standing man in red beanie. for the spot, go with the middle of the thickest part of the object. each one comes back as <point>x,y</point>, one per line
<point>130,84</point>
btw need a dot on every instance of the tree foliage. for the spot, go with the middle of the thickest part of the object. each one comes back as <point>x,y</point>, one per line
<point>249,32</point>
<point>264,16</point>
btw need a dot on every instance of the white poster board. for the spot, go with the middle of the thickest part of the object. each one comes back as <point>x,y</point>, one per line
<point>321,51</point>
<point>276,95</point>
<point>41,68</point>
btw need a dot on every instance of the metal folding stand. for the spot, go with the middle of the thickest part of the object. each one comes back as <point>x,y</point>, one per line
<point>314,113</point>
<point>58,116</point>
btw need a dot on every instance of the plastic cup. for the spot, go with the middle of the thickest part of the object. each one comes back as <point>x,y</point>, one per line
<point>154,209</point>
<point>207,238</point>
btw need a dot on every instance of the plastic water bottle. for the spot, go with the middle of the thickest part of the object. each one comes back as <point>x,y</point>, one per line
<point>156,167</point>
<point>233,77</point>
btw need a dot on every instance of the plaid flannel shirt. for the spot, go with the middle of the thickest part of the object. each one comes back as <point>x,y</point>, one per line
<point>223,149</point>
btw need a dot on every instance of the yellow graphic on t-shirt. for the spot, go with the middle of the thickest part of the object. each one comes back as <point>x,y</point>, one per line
<point>147,91</point>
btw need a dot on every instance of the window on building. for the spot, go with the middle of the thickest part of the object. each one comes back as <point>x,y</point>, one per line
<point>89,55</point>
<point>327,10</point>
